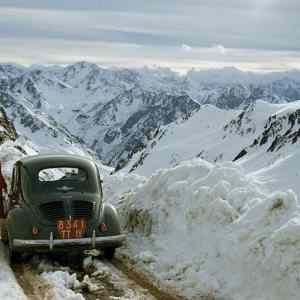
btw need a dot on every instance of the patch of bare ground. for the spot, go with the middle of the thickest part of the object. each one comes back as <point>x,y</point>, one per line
<point>34,287</point>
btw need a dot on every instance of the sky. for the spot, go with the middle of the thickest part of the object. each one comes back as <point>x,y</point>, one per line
<point>256,35</point>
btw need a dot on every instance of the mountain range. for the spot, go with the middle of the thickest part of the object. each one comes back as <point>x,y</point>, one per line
<point>123,115</point>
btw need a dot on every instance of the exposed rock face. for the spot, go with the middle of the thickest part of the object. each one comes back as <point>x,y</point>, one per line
<point>280,129</point>
<point>131,119</point>
<point>24,116</point>
<point>243,123</point>
<point>7,129</point>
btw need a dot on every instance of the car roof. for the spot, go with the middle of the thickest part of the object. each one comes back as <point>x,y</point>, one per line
<point>56,160</point>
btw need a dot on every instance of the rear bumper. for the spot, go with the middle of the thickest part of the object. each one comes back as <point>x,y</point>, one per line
<point>53,244</point>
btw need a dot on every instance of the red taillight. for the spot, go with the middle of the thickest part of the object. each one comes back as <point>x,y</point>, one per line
<point>103,227</point>
<point>35,231</point>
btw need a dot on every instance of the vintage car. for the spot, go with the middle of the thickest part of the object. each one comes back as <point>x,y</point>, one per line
<point>55,204</point>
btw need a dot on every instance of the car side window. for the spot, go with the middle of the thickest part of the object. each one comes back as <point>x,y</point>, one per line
<point>15,193</point>
<point>100,183</point>
<point>12,181</point>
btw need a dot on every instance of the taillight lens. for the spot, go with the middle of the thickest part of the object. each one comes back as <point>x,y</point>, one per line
<point>103,227</point>
<point>35,231</point>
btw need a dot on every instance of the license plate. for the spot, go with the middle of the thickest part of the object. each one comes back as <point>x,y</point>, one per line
<point>71,229</point>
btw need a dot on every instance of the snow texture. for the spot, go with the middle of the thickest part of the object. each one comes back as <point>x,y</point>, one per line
<point>64,283</point>
<point>218,135</point>
<point>9,288</point>
<point>211,229</point>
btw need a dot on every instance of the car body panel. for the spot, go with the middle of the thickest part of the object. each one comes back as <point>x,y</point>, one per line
<point>41,205</point>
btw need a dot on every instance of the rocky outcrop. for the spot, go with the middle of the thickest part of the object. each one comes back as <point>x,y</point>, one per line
<point>131,120</point>
<point>280,130</point>
<point>7,129</point>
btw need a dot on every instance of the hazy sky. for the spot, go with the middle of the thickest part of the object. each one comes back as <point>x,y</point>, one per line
<point>258,35</point>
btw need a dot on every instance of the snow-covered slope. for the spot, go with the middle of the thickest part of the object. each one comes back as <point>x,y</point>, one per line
<point>39,127</point>
<point>280,130</point>
<point>255,137</point>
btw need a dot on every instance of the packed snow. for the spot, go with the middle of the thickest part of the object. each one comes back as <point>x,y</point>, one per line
<point>63,284</point>
<point>210,228</point>
<point>9,287</point>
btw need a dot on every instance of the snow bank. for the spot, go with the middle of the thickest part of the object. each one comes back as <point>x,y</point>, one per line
<point>9,154</point>
<point>208,228</point>
<point>9,288</point>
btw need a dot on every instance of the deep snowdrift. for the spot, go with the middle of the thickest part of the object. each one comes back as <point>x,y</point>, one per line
<point>208,228</point>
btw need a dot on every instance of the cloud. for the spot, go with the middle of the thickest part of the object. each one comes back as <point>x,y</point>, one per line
<point>33,51</point>
<point>238,27</point>
<point>186,48</point>
<point>131,32</point>
<point>219,49</point>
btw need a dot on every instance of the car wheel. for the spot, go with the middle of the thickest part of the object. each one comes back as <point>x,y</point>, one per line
<point>109,253</point>
<point>4,233</point>
<point>12,255</point>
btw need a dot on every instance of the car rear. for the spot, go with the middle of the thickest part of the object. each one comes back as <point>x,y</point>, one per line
<point>61,214</point>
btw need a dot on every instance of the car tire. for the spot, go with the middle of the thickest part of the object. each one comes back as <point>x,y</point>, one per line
<point>109,253</point>
<point>12,255</point>
<point>4,233</point>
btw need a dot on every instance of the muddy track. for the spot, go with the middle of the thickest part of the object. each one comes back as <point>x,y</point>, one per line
<point>34,287</point>
<point>144,280</point>
<point>107,281</point>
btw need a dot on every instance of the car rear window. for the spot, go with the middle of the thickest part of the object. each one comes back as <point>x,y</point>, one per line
<point>62,174</point>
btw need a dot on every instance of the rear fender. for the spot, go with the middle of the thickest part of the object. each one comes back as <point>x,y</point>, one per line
<point>111,218</point>
<point>19,223</point>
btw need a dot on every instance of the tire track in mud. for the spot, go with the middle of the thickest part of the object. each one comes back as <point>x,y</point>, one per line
<point>144,281</point>
<point>101,279</point>
<point>34,287</point>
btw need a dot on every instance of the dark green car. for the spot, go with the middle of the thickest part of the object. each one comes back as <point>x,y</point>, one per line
<point>56,205</point>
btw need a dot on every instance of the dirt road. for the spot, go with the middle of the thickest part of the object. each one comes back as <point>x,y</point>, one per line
<point>97,279</point>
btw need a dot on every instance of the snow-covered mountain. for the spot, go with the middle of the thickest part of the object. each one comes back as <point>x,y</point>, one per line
<point>110,111</point>
<point>255,137</point>
<point>120,112</point>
